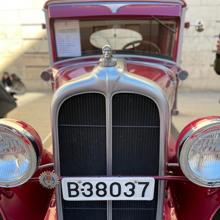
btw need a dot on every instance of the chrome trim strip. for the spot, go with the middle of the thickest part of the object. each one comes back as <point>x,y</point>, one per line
<point>109,142</point>
<point>109,81</point>
<point>49,36</point>
<point>112,4</point>
<point>181,31</point>
<point>46,166</point>
<point>119,56</point>
<point>173,165</point>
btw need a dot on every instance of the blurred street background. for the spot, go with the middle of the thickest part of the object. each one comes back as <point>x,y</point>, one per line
<point>34,108</point>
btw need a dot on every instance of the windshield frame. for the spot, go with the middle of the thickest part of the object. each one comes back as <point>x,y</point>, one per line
<point>139,53</point>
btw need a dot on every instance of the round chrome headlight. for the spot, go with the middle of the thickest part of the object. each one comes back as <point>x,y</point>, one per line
<point>200,153</point>
<point>18,156</point>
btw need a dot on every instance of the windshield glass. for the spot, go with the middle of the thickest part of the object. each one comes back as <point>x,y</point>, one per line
<point>154,37</point>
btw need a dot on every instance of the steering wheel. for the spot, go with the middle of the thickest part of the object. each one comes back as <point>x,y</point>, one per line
<point>137,43</point>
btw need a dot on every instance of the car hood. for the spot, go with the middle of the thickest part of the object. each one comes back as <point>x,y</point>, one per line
<point>161,71</point>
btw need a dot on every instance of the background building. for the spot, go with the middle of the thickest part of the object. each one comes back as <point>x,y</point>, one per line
<point>198,48</point>
<point>24,49</point>
<point>23,42</point>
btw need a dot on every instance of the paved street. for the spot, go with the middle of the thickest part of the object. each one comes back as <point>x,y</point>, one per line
<point>195,105</point>
<point>34,108</point>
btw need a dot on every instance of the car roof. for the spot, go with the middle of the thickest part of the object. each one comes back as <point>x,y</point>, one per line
<point>49,2</point>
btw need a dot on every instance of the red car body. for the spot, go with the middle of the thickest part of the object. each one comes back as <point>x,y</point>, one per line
<point>182,199</point>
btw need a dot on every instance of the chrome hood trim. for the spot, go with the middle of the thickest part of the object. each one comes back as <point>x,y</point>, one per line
<point>109,81</point>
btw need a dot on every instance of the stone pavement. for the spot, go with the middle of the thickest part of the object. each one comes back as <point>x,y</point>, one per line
<point>34,108</point>
<point>193,105</point>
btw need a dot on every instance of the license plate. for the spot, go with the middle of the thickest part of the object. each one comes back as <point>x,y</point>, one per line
<point>108,188</point>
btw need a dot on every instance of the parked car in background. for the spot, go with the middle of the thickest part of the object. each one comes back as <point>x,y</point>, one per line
<point>115,73</point>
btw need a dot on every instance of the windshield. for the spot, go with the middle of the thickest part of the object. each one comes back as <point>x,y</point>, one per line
<point>76,38</point>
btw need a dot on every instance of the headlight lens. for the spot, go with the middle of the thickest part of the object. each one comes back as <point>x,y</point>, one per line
<point>200,155</point>
<point>18,159</point>
<point>204,156</point>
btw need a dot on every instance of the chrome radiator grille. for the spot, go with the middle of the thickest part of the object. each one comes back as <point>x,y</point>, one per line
<point>135,149</point>
<point>82,146</point>
<point>83,150</point>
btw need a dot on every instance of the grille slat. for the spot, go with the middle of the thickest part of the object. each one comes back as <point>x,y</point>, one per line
<point>81,150</point>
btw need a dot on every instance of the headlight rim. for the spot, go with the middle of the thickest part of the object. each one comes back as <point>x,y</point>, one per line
<point>34,146</point>
<point>184,144</point>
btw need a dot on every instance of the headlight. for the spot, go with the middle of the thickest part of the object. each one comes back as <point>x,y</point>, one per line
<point>18,153</point>
<point>199,155</point>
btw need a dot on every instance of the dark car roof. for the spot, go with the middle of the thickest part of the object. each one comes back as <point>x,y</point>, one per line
<point>182,2</point>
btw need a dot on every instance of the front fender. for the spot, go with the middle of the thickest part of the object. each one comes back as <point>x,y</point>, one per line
<point>28,201</point>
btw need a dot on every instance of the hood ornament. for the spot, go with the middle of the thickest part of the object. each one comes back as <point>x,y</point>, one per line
<point>107,59</point>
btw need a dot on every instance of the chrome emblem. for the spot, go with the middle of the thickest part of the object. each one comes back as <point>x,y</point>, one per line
<point>48,179</point>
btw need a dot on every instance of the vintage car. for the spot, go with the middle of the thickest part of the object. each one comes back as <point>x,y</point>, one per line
<point>115,73</point>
